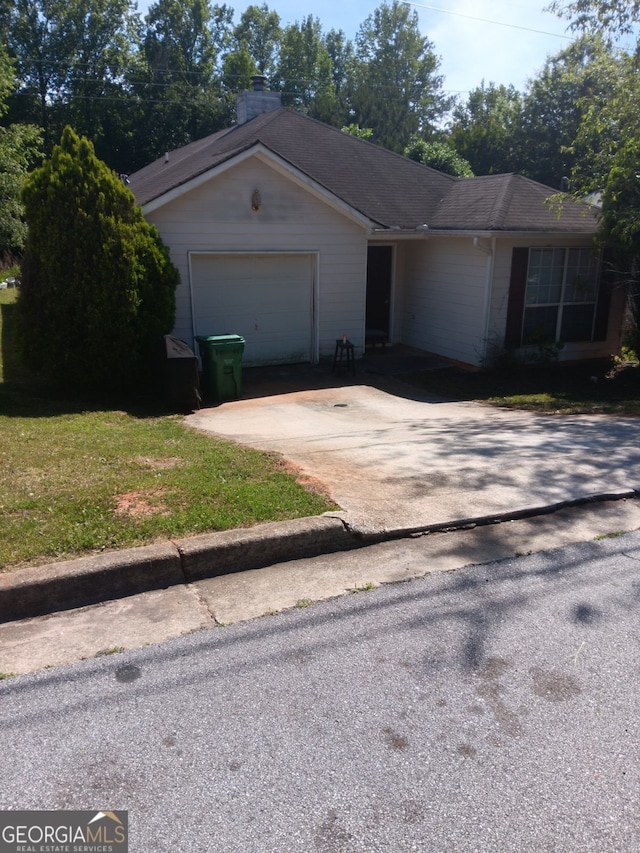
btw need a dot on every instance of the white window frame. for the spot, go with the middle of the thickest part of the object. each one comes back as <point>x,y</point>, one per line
<point>561,304</point>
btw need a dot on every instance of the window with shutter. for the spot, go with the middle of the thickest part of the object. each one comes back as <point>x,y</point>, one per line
<point>555,295</point>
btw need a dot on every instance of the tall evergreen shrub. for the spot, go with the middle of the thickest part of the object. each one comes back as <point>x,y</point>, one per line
<point>98,286</point>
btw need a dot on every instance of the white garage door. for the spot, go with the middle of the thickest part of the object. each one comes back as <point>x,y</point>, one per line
<point>265,298</point>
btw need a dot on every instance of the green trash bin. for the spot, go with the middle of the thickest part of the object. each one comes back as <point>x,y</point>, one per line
<point>221,365</point>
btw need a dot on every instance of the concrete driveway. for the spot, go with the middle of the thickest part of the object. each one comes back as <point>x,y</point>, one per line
<point>392,458</point>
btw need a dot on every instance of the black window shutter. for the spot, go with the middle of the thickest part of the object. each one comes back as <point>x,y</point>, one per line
<point>607,280</point>
<point>517,289</point>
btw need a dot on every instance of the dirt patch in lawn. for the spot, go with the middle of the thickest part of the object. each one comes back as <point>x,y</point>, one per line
<point>163,464</point>
<point>141,504</point>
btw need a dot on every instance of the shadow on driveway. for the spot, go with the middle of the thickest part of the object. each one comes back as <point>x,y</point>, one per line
<point>380,368</point>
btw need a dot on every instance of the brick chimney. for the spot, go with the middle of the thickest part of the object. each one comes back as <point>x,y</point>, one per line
<point>257,101</point>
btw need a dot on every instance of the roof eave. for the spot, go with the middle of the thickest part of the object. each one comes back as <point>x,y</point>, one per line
<point>194,181</point>
<point>421,232</point>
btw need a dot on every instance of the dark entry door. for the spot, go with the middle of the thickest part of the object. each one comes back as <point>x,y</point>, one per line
<point>379,266</point>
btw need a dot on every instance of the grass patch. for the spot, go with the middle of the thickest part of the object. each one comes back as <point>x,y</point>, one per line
<point>79,478</point>
<point>115,650</point>
<point>365,588</point>
<point>80,482</point>
<point>10,368</point>
<point>560,389</point>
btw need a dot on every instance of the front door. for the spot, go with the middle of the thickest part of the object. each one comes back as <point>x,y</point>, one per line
<point>379,268</point>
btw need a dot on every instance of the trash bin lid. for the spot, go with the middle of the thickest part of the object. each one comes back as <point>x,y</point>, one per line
<point>220,339</point>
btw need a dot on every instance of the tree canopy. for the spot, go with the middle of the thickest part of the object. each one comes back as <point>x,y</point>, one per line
<point>610,18</point>
<point>486,130</point>
<point>19,150</point>
<point>396,89</point>
<point>607,143</point>
<point>440,156</point>
<point>303,72</point>
<point>137,86</point>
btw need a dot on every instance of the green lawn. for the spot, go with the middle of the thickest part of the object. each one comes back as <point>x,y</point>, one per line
<point>79,478</point>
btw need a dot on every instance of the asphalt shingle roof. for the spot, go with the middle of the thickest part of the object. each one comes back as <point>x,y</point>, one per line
<point>390,190</point>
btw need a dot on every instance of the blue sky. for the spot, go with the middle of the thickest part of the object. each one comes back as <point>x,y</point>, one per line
<point>491,40</point>
<point>499,41</point>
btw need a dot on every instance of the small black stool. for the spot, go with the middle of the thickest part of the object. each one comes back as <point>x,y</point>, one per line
<point>344,347</point>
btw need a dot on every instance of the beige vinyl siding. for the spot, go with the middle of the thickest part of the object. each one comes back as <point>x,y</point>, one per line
<point>217,216</point>
<point>500,300</point>
<point>444,298</point>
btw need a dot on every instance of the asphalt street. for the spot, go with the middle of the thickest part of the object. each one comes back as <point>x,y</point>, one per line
<point>493,708</point>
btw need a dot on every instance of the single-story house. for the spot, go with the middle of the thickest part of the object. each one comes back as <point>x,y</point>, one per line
<point>292,234</point>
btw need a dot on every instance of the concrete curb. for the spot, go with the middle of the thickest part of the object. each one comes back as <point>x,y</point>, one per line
<point>89,580</point>
<point>369,536</point>
<point>76,583</point>
<point>256,547</point>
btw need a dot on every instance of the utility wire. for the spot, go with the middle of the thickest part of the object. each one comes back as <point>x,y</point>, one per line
<point>487,20</point>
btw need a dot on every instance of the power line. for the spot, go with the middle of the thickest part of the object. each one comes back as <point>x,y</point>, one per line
<point>487,20</point>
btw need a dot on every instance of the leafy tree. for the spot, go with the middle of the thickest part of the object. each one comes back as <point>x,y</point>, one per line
<point>260,31</point>
<point>304,73</point>
<point>621,199</point>
<point>621,224</point>
<point>609,125</point>
<point>99,38</point>
<point>535,133</point>
<point>610,112</point>
<point>37,42</point>
<point>341,53</point>
<point>610,18</point>
<point>439,156</point>
<point>255,46</point>
<point>7,79</point>
<point>19,149</point>
<point>553,105</point>
<point>70,59</point>
<point>5,18</point>
<point>609,116</point>
<point>179,38</point>
<point>359,132</point>
<point>486,130</point>
<point>608,138</point>
<point>98,287</point>
<point>237,70</point>
<point>396,90</point>
<point>178,80</point>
